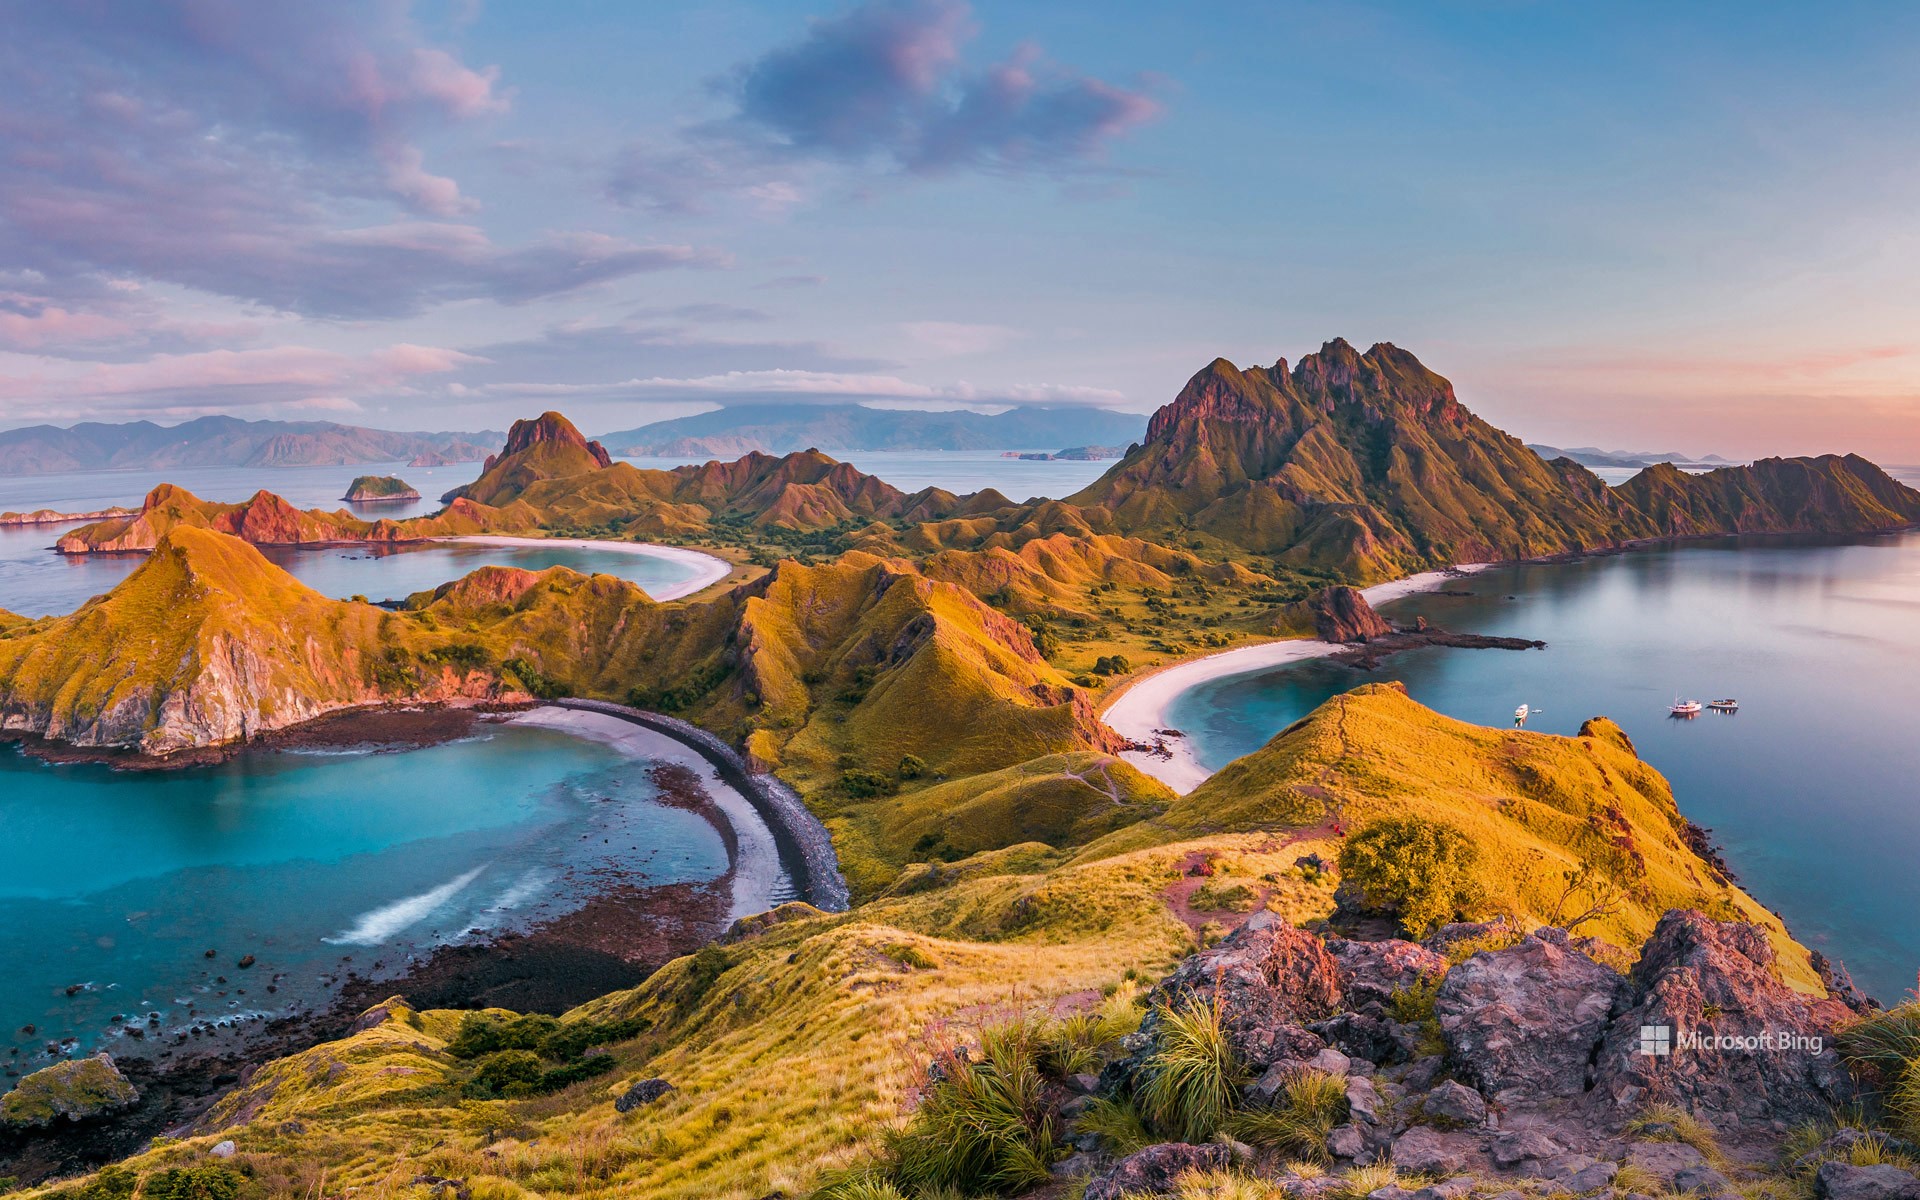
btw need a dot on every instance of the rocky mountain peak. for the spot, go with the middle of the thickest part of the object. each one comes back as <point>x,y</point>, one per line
<point>549,428</point>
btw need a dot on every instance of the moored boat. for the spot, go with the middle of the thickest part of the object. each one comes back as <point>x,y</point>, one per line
<point>1686,708</point>
<point>1728,705</point>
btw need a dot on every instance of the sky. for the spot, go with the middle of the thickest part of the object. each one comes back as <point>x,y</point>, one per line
<point>1639,226</point>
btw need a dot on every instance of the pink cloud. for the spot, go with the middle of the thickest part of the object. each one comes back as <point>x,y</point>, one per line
<point>277,374</point>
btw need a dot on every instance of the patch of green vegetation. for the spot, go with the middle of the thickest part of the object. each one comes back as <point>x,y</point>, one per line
<point>1415,1005</point>
<point>1192,1079</point>
<point>211,1182</point>
<point>1421,871</point>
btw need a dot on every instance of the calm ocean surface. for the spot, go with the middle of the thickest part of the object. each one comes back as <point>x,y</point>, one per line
<point>117,883</point>
<point>1813,787</point>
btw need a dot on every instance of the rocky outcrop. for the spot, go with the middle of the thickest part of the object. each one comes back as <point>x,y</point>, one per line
<point>80,1089</point>
<point>1156,1171</point>
<point>1342,614</point>
<point>1882,1181</point>
<point>1541,1070</point>
<point>1764,1052</point>
<point>1521,1023</point>
<point>1268,979</point>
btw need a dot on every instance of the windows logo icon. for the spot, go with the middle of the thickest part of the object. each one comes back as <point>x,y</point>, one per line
<point>1656,1041</point>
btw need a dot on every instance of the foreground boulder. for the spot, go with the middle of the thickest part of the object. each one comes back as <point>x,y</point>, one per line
<point>1520,1024</point>
<point>1843,1181</point>
<point>1157,1170</point>
<point>1269,979</point>
<point>77,1090</point>
<point>1739,1042</point>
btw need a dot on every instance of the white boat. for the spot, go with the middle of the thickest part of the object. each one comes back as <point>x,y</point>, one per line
<point>1520,714</point>
<point>1686,708</point>
<point>1728,705</point>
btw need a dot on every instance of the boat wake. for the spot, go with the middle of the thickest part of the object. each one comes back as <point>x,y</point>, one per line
<point>375,927</point>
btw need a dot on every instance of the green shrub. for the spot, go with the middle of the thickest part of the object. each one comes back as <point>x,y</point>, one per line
<point>865,785</point>
<point>194,1183</point>
<point>1416,1004</point>
<point>1111,664</point>
<point>506,1073</point>
<point>536,682</point>
<point>1193,1076</point>
<point>912,766</point>
<point>986,1125</point>
<point>111,1183</point>
<point>1418,869</point>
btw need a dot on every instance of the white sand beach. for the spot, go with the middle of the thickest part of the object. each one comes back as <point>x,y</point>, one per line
<point>707,569</point>
<point>759,880</point>
<point>1141,710</point>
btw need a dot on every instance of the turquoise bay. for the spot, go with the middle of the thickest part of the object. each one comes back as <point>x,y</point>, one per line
<point>116,883</point>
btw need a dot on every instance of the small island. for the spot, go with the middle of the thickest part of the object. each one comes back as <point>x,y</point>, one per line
<point>376,488</point>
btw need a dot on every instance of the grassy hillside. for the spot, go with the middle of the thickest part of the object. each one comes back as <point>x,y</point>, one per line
<point>1537,807</point>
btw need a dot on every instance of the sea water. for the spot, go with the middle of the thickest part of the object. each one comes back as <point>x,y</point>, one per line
<point>114,885</point>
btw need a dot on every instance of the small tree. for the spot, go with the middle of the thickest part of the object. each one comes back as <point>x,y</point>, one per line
<point>1419,869</point>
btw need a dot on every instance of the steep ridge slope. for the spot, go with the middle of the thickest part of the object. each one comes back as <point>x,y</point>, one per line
<point>545,447</point>
<point>1364,463</point>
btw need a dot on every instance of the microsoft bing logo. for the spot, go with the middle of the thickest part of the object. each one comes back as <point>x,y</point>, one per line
<point>1656,1041</point>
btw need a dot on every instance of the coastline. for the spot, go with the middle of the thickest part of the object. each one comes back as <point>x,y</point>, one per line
<point>708,569</point>
<point>760,878</point>
<point>1139,712</point>
<point>805,848</point>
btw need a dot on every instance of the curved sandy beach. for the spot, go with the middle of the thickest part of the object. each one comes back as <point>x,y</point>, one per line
<point>1141,710</point>
<point>760,879</point>
<point>708,570</point>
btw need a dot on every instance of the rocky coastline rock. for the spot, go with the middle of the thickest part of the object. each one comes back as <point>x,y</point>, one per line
<point>1342,614</point>
<point>79,1089</point>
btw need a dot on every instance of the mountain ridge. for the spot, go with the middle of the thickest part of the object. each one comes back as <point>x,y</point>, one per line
<point>223,441</point>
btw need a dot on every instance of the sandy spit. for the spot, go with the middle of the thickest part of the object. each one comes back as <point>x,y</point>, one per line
<point>759,880</point>
<point>707,569</point>
<point>1141,710</point>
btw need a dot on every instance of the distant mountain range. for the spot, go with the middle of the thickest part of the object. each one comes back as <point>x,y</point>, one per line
<point>228,442</point>
<point>784,428</point>
<point>1593,456</point>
